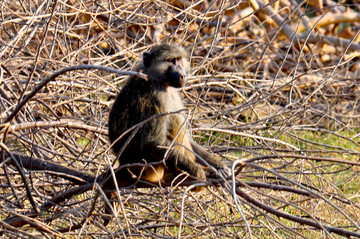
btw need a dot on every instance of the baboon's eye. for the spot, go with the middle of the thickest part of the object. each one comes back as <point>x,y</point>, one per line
<point>175,61</point>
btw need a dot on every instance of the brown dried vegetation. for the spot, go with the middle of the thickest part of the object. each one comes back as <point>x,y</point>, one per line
<point>274,91</point>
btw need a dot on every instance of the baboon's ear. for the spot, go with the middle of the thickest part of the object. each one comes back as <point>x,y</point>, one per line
<point>146,59</point>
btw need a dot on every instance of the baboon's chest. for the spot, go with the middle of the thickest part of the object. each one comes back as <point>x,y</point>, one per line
<point>176,122</point>
<point>173,100</point>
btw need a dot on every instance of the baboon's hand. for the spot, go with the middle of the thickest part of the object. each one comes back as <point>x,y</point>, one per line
<point>225,171</point>
<point>221,170</point>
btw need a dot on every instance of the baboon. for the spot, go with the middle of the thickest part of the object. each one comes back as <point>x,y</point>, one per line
<point>161,133</point>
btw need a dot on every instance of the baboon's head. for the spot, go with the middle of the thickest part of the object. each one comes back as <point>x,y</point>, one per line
<point>168,64</point>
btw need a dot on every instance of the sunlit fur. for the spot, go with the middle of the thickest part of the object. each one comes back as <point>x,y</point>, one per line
<point>166,67</point>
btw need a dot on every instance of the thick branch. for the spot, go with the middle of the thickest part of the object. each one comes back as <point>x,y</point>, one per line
<point>293,218</point>
<point>38,164</point>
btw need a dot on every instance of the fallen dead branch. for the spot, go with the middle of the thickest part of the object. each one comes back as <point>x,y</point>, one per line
<point>274,91</point>
<point>74,175</point>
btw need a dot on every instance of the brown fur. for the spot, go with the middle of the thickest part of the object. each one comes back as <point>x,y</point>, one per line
<point>166,67</point>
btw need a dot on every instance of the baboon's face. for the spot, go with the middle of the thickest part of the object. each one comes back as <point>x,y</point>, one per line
<point>177,71</point>
<point>168,64</point>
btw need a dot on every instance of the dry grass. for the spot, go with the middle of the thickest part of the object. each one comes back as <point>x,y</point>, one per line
<point>274,90</point>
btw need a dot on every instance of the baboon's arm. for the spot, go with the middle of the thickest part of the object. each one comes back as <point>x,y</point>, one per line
<point>202,155</point>
<point>175,160</point>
